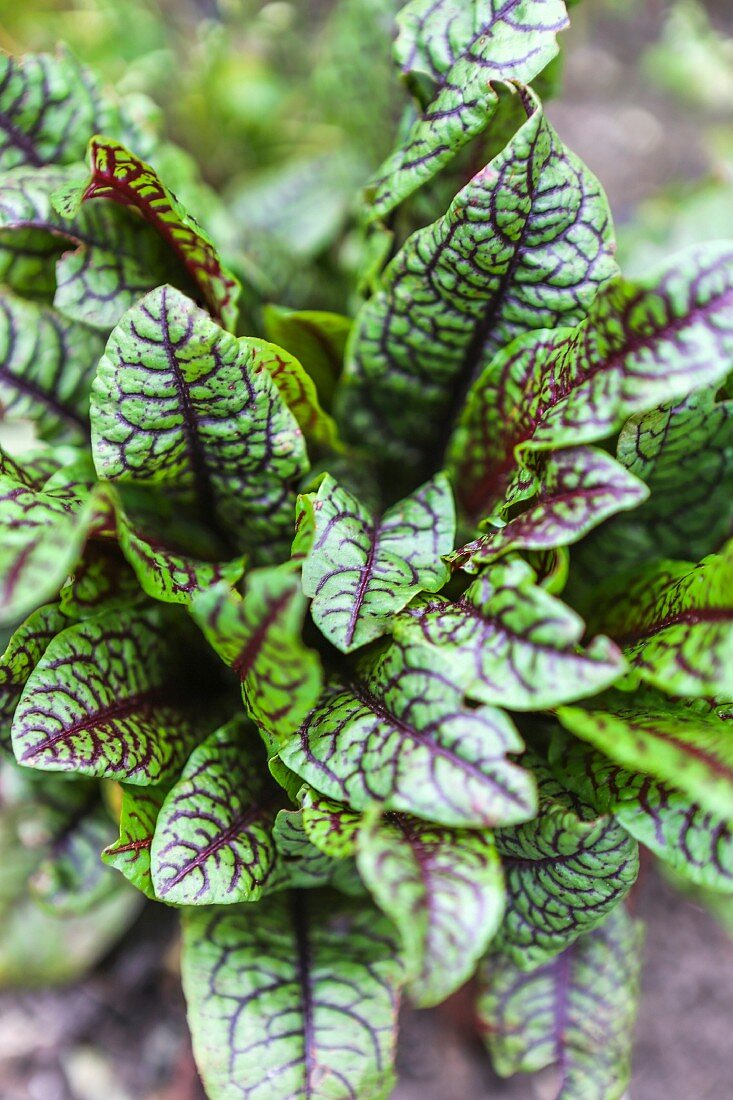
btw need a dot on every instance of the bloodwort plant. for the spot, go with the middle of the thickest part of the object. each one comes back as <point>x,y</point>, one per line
<point>440,769</point>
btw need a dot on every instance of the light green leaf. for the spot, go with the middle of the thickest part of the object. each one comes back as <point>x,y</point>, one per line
<point>463,49</point>
<point>695,843</point>
<point>213,840</point>
<point>316,339</point>
<point>99,702</point>
<point>130,853</point>
<point>300,991</point>
<point>361,570</point>
<point>524,245</point>
<point>565,871</point>
<point>575,1012</point>
<point>182,404</point>
<point>642,344</point>
<point>400,735</point>
<point>688,747</point>
<point>260,637</point>
<point>508,642</point>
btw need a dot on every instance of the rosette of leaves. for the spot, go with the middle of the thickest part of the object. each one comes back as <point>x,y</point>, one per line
<point>289,617</point>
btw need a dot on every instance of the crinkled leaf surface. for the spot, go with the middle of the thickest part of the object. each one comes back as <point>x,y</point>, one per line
<point>316,338</point>
<point>119,175</point>
<point>684,453</point>
<point>46,366</point>
<point>43,536</point>
<point>100,261</point>
<point>462,48</point>
<point>525,245</point>
<point>508,642</point>
<point>22,653</point>
<point>575,1012</point>
<point>99,702</point>
<point>360,570</point>
<point>49,106</point>
<point>443,888</point>
<point>402,736</point>
<point>574,490</point>
<point>687,747</point>
<point>697,844</point>
<point>565,871</point>
<point>674,621</point>
<point>130,853</point>
<point>642,344</point>
<point>178,402</point>
<point>294,997</point>
<point>260,637</point>
<point>213,841</point>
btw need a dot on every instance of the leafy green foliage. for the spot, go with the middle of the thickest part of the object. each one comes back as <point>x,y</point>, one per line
<point>283,586</point>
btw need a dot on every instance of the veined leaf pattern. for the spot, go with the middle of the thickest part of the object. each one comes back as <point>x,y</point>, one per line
<point>525,245</point>
<point>46,367</point>
<point>130,853</point>
<point>302,991</point>
<point>684,453</point>
<point>119,175</point>
<point>687,747</point>
<point>43,536</point>
<point>303,866</point>
<point>697,844</point>
<point>508,642</point>
<point>360,570</point>
<point>443,888</point>
<point>402,736</point>
<point>575,1012</point>
<point>49,106</point>
<point>260,637</point>
<point>463,48</point>
<point>178,402</point>
<point>565,870</point>
<point>674,621</point>
<point>299,393</point>
<point>213,840</point>
<point>574,490</point>
<point>642,344</point>
<point>316,338</point>
<point>22,653</point>
<point>102,260</point>
<point>97,702</point>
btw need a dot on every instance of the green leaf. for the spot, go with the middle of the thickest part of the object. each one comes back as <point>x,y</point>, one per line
<point>400,735</point>
<point>508,642</point>
<point>443,889</point>
<point>462,49</point>
<point>695,843</point>
<point>260,637</point>
<point>575,1013</point>
<point>684,453</point>
<point>331,826</point>
<point>130,853</point>
<point>43,537</point>
<point>565,871</point>
<point>299,991</point>
<point>298,391</point>
<point>118,175</point>
<point>213,840</point>
<point>302,865</point>
<point>49,106</point>
<point>316,339</point>
<point>688,747</point>
<point>101,261</point>
<point>98,702</point>
<point>46,368</point>
<point>361,570</point>
<point>101,580</point>
<point>23,652</point>
<point>573,491</point>
<point>182,404</point>
<point>674,621</point>
<point>524,246</point>
<point>642,344</point>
